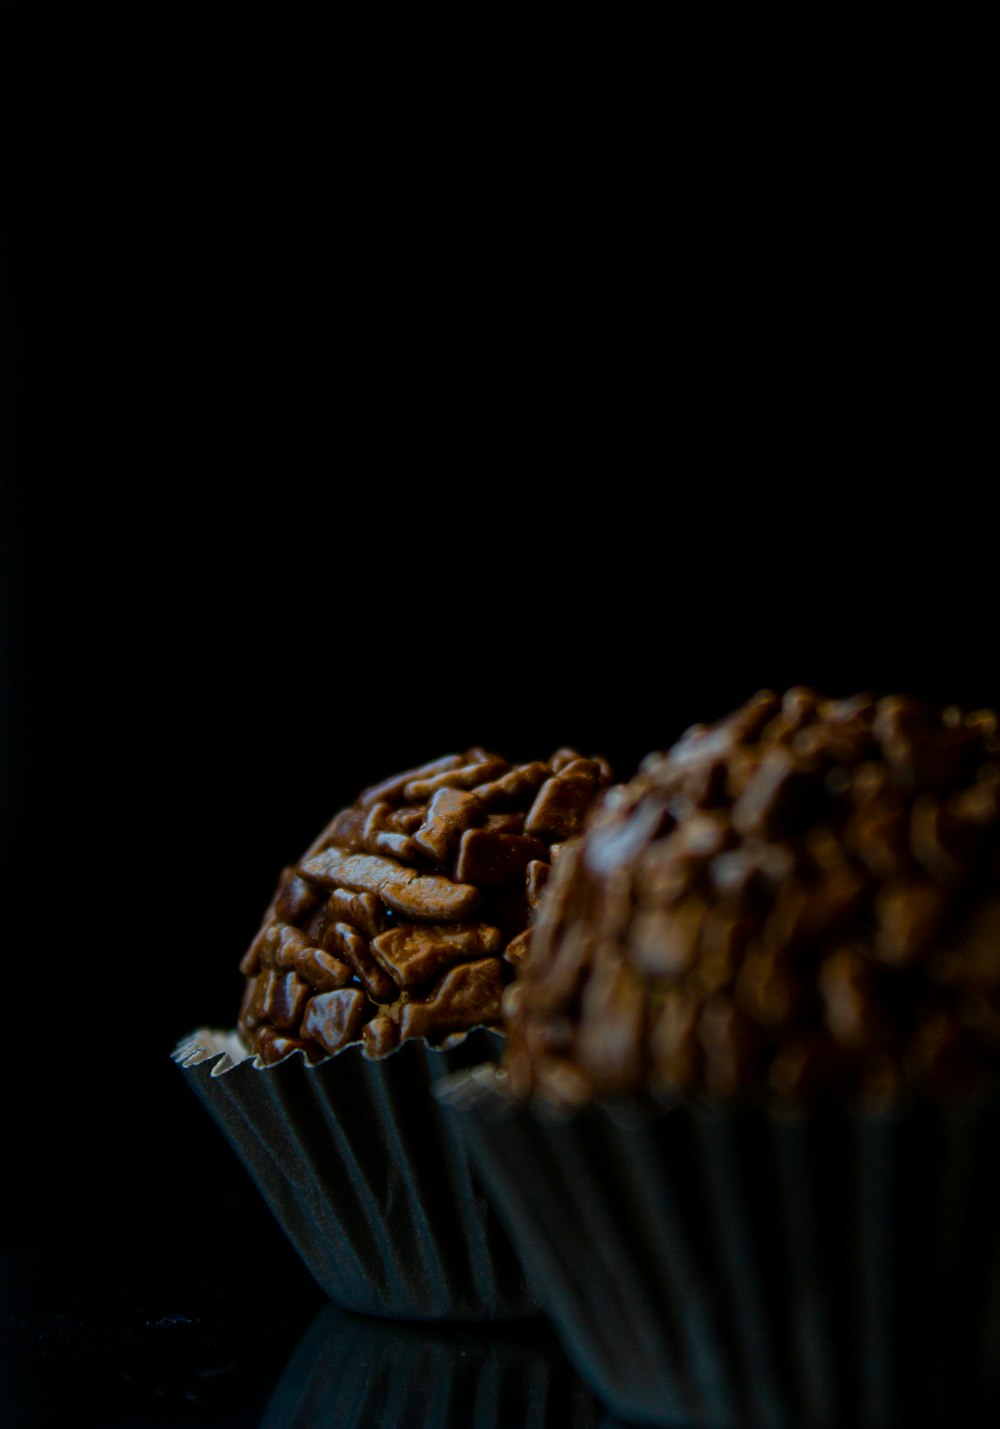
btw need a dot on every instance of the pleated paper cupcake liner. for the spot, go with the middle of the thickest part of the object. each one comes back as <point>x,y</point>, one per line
<point>369,1183</point>
<point>739,1270</point>
<point>355,1373</point>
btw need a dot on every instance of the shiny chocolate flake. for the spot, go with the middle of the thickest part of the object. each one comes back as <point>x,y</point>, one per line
<point>408,915</point>
<point>798,900</point>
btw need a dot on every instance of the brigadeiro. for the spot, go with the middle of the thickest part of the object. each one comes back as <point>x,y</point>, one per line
<point>746,1134</point>
<point>379,967</point>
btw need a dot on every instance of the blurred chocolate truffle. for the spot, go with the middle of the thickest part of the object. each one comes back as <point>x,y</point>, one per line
<point>406,917</point>
<point>801,898</point>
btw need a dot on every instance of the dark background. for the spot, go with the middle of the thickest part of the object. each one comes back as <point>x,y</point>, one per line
<point>354,412</point>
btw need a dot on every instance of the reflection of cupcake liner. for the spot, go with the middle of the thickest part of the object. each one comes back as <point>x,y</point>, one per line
<point>369,1183</point>
<point>737,1268</point>
<point>355,1373</point>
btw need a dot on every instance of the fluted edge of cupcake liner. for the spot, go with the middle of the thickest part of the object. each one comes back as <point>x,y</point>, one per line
<point>370,1184</point>
<point>356,1372</point>
<point>739,1269</point>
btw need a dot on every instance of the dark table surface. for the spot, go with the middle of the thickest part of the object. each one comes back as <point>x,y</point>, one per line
<point>200,1314</point>
<point>160,1320</point>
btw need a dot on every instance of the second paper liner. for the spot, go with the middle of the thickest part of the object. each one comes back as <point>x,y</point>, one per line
<point>741,1270</point>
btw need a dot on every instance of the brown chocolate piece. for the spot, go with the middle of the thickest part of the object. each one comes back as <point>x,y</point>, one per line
<point>333,868</point>
<point>280,997</point>
<point>513,788</point>
<point>414,952</point>
<point>468,996</point>
<point>333,1019</point>
<point>563,801</point>
<point>323,971</point>
<point>350,945</point>
<point>296,900</point>
<point>380,1036</point>
<point>347,831</point>
<point>449,813</point>
<point>517,949</point>
<point>398,921</point>
<point>282,946</point>
<point>379,836</point>
<point>361,910</point>
<point>490,859</point>
<point>402,889</point>
<point>274,1046</point>
<point>431,896</point>
<point>802,899</point>
<point>466,777</point>
<point>537,876</point>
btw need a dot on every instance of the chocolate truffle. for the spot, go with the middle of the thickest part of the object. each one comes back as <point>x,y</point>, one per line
<point>802,898</point>
<point>406,917</point>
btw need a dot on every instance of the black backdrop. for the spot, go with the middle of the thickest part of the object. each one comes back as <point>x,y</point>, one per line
<point>346,423</point>
<point>343,430</point>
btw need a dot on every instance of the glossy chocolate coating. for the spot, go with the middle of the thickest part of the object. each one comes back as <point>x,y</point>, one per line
<point>397,922</point>
<point>802,898</point>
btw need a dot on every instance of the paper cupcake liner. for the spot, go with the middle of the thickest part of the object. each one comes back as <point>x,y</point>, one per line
<point>737,1270</point>
<point>356,1373</point>
<point>369,1183</point>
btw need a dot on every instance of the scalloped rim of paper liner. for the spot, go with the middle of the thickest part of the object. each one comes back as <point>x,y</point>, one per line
<point>231,1051</point>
